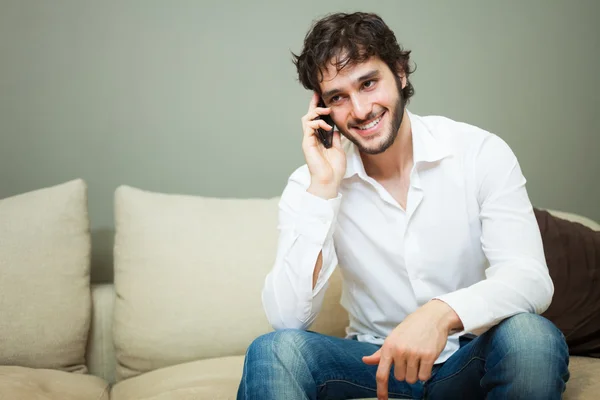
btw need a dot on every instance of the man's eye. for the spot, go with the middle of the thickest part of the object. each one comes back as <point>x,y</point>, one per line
<point>334,99</point>
<point>369,84</point>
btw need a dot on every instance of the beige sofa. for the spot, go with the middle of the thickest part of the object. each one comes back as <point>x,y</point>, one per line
<point>184,305</point>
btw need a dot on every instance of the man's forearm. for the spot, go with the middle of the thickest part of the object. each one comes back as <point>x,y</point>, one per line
<point>318,266</point>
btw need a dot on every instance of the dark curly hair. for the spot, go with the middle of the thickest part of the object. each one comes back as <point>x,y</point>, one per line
<point>348,39</point>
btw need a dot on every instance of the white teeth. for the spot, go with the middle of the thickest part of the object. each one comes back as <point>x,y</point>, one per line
<point>369,125</point>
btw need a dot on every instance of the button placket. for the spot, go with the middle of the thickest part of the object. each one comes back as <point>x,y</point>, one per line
<point>414,268</point>
<point>415,194</point>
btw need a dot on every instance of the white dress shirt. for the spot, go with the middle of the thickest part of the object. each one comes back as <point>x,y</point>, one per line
<point>468,237</point>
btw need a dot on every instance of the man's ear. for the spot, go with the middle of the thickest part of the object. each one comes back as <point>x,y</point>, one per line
<point>401,74</point>
<point>403,79</point>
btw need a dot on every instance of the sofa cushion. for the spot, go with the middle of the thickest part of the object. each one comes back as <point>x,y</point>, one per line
<point>219,379</point>
<point>573,257</point>
<point>189,272</point>
<point>584,383</point>
<point>46,384</point>
<point>216,378</point>
<point>45,301</point>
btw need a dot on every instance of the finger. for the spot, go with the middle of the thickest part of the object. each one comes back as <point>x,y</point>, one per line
<point>425,369</point>
<point>314,125</point>
<point>400,368</point>
<point>374,358</point>
<point>313,101</point>
<point>382,376</point>
<point>412,370</point>
<point>337,140</point>
<point>316,112</point>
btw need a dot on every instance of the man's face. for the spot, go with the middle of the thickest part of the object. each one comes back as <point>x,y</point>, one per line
<point>366,103</point>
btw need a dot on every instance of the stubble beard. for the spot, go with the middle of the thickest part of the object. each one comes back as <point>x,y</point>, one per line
<point>391,135</point>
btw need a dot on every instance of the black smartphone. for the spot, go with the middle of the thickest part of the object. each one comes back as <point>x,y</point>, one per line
<point>325,136</point>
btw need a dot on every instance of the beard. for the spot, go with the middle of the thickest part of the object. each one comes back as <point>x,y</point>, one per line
<point>397,114</point>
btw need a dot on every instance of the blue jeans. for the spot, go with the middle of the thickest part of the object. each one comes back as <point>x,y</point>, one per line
<point>524,357</point>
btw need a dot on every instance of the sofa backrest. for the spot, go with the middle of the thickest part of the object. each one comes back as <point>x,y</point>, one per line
<point>101,355</point>
<point>100,352</point>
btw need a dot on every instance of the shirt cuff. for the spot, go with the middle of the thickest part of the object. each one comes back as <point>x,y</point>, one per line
<point>470,308</point>
<point>315,215</point>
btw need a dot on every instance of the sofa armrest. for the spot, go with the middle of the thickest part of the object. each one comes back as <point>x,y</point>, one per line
<point>100,355</point>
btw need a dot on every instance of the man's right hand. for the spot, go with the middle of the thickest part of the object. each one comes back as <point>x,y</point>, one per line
<point>327,166</point>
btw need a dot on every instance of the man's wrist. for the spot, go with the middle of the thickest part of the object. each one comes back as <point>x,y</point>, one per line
<point>325,192</point>
<point>449,319</point>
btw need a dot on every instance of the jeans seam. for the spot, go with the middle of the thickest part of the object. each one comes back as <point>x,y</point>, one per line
<point>356,384</point>
<point>457,372</point>
<point>360,386</point>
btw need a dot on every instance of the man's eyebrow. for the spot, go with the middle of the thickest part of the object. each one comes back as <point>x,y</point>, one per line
<point>369,75</point>
<point>330,93</point>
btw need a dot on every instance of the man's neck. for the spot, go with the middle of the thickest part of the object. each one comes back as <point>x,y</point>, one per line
<point>397,160</point>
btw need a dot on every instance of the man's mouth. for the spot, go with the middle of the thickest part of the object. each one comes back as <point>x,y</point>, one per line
<point>371,124</point>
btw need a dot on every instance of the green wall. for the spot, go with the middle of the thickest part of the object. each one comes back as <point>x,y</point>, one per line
<point>201,97</point>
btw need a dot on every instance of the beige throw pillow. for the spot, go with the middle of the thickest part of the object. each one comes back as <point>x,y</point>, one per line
<point>188,278</point>
<point>45,303</point>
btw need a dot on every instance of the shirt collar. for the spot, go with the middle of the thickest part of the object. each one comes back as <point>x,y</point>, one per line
<point>426,148</point>
<point>354,164</point>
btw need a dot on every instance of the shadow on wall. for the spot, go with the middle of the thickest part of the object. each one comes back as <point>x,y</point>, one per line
<point>102,255</point>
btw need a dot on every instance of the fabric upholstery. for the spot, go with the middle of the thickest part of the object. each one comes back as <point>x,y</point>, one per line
<point>189,272</point>
<point>19,383</point>
<point>205,379</point>
<point>187,277</point>
<point>219,379</point>
<point>584,383</point>
<point>45,301</point>
<point>567,216</point>
<point>573,256</point>
<point>101,352</point>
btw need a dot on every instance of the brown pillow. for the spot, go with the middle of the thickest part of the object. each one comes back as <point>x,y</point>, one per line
<point>573,258</point>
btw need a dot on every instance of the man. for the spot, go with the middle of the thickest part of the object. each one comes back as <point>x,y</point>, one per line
<point>429,221</point>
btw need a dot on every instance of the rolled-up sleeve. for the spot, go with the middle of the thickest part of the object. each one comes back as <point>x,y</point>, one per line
<point>306,227</point>
<point>517,278</point>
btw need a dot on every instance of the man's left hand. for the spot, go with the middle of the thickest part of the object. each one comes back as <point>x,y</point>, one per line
<point>414,345</point>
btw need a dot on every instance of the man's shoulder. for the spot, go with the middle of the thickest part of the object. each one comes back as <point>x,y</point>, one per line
<point>446,128</point>
<point>469,142</point>
<point>461,137</point>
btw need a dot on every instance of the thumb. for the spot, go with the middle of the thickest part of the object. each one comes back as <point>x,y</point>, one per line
<point>337,140</point>
<point>373,359</point>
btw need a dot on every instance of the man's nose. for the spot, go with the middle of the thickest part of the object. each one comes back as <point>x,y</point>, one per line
<point>360,108</point>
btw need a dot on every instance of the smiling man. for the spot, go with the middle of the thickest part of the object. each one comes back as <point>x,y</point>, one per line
<point>429,221</point>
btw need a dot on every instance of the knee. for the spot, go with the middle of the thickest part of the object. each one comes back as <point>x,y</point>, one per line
<point>532,336</point>
<point>282,345</point>
<point>535,350</point>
